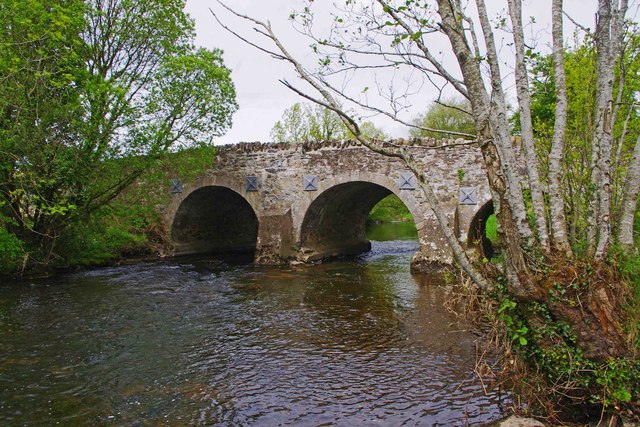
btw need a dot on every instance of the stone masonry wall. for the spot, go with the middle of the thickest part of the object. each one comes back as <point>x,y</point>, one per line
<point>356,175</point>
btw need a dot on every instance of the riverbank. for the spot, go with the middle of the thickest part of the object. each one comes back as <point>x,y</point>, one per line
<point>516,421</point>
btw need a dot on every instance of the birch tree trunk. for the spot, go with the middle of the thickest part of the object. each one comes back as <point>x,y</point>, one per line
<point>499,126</point>
<point>493,130</point>
<point>630,200</point>
<point>524,102</point>
<point>608,43</point>
<point>558,218</point>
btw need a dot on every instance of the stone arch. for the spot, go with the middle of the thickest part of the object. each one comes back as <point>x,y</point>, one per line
<point>477,236</point>
<point>332,220</point>
<point>213,218</point>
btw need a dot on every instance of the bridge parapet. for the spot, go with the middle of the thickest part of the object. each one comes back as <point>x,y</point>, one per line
<point>252,147</point>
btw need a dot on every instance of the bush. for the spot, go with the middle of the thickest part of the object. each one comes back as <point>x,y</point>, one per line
<point>492,230</point>
<point>98,242</point>
<point>11,252</point>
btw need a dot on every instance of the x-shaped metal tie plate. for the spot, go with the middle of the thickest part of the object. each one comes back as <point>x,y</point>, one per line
<point>251,183</point>
<point>468,196</point>
<point>176,186</point>
<point>310,183</point>
<point>407,181</point>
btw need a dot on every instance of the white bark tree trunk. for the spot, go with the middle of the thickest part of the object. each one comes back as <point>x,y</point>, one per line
<point>493,131</point>
<point>524,102</point>
<point>558,218</point>
<point>500,132</point>
<point>608,38</point>
<point>630,200</point>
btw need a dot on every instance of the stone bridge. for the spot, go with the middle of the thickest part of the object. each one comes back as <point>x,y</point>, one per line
<point>307,202</point>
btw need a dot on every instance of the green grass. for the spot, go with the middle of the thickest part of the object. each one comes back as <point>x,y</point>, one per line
<point>390,209</point>
<point>492,230</point>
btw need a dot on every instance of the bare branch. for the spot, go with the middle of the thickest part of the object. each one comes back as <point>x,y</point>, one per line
<point>395,117</point>
<point>435,147</point>
<point>576,23</point>
<point>453,107</point>
<point>425,50</point>
<point>244,39</point>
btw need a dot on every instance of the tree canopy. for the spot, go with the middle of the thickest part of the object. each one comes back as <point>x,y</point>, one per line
<point>452,115</point>
<point>312,122</point>
<point>92,93</point>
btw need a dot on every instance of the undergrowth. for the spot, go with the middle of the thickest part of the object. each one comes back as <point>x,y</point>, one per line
<point>12,252</point>
<point>101,240</point>
<point>538,357</point>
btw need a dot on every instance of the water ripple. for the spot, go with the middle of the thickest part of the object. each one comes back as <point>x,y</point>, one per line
<point>353,342</point>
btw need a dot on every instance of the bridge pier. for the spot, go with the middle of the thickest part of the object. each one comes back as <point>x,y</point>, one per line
<point>275,238</point>
<point>434,252</point>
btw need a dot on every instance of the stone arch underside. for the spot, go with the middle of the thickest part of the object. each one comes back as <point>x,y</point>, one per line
<point>335,222</point>
<point>477,237</point>
<point>214,219</point>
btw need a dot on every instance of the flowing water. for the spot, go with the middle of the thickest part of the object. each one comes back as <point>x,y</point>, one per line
<point>358,341</point>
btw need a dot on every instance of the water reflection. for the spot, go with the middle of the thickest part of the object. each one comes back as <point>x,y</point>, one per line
<point>349,342</point>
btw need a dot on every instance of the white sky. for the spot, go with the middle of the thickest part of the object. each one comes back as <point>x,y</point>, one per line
<point>263,99</point>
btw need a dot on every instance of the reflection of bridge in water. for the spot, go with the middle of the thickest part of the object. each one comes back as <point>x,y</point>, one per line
<point>311,201</point>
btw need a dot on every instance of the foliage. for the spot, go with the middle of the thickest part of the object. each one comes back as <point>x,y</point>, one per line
<point>629,265</point>
<point>104,238</point>
<point>447,115</point>
<point>390,209</point>
<point>492,230</point>
<point>88,104</point>
<point>11,252</point>
<point>304,122</point>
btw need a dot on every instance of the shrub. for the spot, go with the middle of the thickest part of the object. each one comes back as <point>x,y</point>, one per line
<point>99,241</point>
<point>11,252</point>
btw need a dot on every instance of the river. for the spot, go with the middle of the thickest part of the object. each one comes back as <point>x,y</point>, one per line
<point>359,341</point>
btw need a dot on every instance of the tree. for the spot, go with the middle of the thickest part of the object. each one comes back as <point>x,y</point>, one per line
<point>312,122</point>
<point>42,80</point>
<point>447,115</point>
<point>572,175</point>
<point>93,93</point>
<point>389,34</point>
<point>292,126</point>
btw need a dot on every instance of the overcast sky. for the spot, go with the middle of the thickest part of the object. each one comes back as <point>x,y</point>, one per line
<point>263,99</point>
